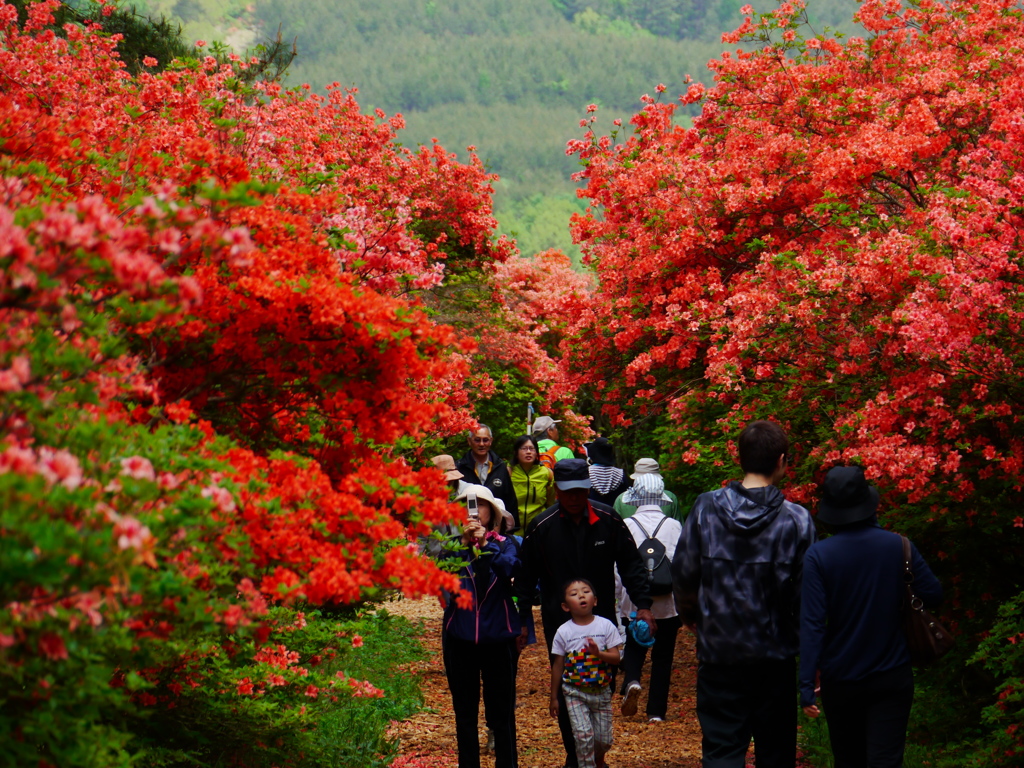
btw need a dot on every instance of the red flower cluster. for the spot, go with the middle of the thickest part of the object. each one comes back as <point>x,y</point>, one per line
<point>829,244</point>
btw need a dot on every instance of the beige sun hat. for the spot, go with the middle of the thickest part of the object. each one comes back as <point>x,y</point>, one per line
<point>446,464</point>
<point>483,492</point>
<point>645,467</point>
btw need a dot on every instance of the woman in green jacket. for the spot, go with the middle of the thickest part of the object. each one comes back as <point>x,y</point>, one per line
<point>533,483</point>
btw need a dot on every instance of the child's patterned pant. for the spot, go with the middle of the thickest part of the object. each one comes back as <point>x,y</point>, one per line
<point>591,718</point>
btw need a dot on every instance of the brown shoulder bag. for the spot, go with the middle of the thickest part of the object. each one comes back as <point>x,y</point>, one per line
<point>927,640</point>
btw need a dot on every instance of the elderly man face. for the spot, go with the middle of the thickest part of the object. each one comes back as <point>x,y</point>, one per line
<point>480,444</point>
<point>573,500</point>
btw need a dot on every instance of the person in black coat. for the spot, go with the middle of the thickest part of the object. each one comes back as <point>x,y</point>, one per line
<point>578,539</point>
<point>482,466</point>
<point>851,630</point>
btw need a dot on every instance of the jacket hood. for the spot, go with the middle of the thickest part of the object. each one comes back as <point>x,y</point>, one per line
<point>748,511</point>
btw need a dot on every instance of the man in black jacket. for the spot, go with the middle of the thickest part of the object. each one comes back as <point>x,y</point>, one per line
<point>482,466</point>
<point>578,539</point>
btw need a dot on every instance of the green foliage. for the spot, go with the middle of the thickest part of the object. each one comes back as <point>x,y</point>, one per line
<point>541,222</point>
<point>512,79</point>
<point>227,20</point>
<point>999,739</point>
<point>505,411</point>
<point>596,23</point>
<point>156,36</point>
<point>689,19</point>
<point>342,731</point>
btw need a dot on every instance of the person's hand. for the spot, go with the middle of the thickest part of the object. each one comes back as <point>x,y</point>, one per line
<point>593,647</point>
<point>522,639</point>
<point>553,708</point>
<point>812,711</point>
<point>647,616</point>
<point>473,533</point>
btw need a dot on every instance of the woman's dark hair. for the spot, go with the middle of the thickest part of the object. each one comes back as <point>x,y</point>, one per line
<point>519,443</point>
<point>760,444</point>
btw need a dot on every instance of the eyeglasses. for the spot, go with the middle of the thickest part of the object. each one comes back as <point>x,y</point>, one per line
<point>482,440</point>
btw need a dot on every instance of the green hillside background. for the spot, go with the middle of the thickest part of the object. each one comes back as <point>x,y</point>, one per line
<point>510,77</point>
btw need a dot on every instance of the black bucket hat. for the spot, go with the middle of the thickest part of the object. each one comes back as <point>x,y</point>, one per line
<point>846,497</point>
<point>600,452</point>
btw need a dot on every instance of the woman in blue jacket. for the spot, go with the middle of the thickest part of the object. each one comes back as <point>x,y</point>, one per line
<point>479,641</point>
<point>851,628</point>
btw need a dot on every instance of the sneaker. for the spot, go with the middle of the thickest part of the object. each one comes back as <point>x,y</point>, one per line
<point>631,699</point>
<point>656,720</point>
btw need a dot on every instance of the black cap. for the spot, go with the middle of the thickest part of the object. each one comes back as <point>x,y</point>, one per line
<point>572,473</point>
<point>846,497</point>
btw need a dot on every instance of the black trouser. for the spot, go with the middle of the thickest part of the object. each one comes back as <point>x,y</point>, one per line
<point>465,663</point>
<point>661,664</point>
<point>867,719</point>
<point>551,622</point>
<point>738,701</point>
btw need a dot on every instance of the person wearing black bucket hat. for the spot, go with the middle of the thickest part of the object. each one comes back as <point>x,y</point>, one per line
<point>846,497</point>
<point>606,480</point>
<point>851,632</point>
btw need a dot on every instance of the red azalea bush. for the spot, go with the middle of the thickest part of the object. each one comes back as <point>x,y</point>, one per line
<point>529,303</point>
<point>834,244</point>
<point>210,370</point>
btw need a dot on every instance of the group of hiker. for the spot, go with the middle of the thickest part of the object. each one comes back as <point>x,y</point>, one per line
<point>616,568</point>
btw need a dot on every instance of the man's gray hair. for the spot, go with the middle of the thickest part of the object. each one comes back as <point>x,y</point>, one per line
<point>471,432</point>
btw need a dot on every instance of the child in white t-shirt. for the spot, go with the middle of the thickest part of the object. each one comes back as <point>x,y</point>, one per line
<point>584,650</point>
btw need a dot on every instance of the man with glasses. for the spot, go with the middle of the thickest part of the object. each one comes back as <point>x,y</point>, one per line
<point>482,466</point>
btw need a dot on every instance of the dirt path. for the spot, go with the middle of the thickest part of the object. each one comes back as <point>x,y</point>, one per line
<point>428,739</point>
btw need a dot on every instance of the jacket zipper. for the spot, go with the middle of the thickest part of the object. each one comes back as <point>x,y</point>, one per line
<point>476,607</point>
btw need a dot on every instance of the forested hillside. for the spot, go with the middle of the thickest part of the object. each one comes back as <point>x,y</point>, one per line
<point>510,78</point>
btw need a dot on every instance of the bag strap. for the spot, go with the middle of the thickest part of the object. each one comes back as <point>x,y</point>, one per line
<point>908,573</point>
<point>914,603</point>
<point>642,529</point>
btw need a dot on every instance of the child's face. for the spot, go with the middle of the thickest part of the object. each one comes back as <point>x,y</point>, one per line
<point>579,599</point>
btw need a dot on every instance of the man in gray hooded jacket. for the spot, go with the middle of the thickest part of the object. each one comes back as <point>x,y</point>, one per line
<point>737,572</point>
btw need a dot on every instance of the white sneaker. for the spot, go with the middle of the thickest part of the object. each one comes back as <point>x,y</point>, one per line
<point>655,720</point>
<point>631,699</point>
